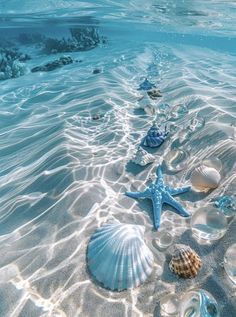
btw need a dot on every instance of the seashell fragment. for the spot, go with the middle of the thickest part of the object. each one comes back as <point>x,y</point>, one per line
<point>154,94</point>
<point>155,136</point>
<point>205,177</point>
<point>118,256</point>
<point>142,157</point>
<point>144,103</point>
<point>185,262</point>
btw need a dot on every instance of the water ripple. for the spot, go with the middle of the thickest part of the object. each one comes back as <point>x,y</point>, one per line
<point>66,142</point>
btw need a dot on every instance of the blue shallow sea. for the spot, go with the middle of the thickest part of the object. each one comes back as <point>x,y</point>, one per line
<point>71,117</point>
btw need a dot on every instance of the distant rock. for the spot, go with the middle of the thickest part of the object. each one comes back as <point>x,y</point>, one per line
<point>65,60</point>
<point>96,71</point>
<point>11,63</point>
<point>82,38</point>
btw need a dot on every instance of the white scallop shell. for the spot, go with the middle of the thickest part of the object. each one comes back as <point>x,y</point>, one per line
<point>142,157</point>
<point>205,177</point>
<point>118,256</point>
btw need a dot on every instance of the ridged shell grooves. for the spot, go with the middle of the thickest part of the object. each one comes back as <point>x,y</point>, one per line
<point>185,262</point>
<point>118,256</point>
<point>155,137</point>
<point>205,177</point>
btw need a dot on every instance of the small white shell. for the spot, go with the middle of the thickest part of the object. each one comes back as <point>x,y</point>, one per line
<point>142,157</point>
<point>205,177</point>
<point>145,104</point>
<point>118,256</point>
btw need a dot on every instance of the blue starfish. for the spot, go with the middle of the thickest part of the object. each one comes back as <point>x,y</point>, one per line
<point>146,85</point>
<point>160,194</point>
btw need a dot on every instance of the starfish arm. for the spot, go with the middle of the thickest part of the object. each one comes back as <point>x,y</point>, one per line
<point>141,195</point>
<point>157,205</point>
<point>159,179</point>
<point>177,191</point>
<point>174,203</point>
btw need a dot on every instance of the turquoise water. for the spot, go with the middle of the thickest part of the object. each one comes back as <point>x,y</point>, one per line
<point>69,129</point>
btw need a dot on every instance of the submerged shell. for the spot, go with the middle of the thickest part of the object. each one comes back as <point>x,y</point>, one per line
<point>185,262</point>
<point>118,256</point>
<point>142,157</point>
<point>155,137</point>
<point>144,103</point>
<point>146,85</point>
<point>154,93</point>
<point>205,177</point>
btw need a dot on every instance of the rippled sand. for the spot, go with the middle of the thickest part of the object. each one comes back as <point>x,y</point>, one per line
<point>63,174</point>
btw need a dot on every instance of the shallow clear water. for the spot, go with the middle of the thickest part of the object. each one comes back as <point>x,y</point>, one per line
<point>68,134</point>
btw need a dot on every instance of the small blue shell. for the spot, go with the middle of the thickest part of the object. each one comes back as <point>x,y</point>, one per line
<point>146,85</point>
<point>155,137</point>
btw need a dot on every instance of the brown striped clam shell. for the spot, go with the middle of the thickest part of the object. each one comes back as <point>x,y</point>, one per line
<point>185,262</point>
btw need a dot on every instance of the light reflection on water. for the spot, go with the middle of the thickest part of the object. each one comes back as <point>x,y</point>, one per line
<point>67,137</point>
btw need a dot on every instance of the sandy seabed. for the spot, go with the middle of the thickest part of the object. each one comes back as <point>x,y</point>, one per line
<point>63,174</point>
